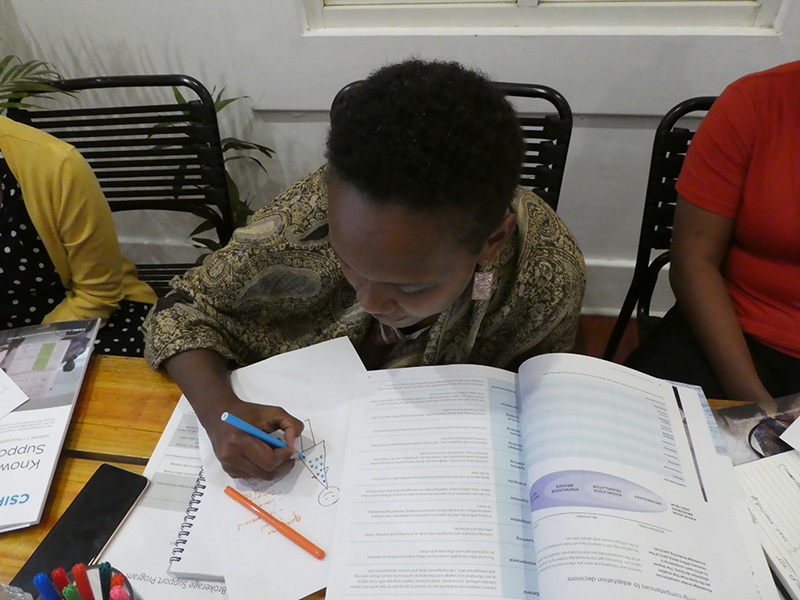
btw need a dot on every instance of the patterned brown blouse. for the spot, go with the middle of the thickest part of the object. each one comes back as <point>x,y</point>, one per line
<point>277,286</point>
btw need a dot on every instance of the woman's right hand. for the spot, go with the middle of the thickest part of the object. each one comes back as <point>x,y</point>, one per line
<point>243,455</point>
<point>203,377</point>
<point>700,243</point>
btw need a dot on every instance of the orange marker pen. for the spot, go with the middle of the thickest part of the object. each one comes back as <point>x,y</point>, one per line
<point>282,527</point>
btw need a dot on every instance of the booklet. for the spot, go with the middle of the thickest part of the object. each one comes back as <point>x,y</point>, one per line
<point>142,548</point>
<point>578,478</point>
<point>47,363</point>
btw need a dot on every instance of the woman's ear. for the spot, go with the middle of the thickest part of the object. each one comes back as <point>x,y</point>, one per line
<point>497,239</point>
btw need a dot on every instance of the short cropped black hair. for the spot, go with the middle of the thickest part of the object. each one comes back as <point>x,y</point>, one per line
<point>429,135</point>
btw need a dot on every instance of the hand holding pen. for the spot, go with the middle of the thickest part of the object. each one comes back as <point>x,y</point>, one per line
<point>254,452</point>
<point>255,432</point>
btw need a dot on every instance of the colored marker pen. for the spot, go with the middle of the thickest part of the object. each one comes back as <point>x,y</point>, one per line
<point>82,581</point>
<point>119,593</point>
<point>71,592</point>
<point>279,525</point>
<point>45,587</point>
<point>105,579</point>
<point>60,578</point>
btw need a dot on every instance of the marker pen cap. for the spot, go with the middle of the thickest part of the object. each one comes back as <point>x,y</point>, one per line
<point>93,572</point>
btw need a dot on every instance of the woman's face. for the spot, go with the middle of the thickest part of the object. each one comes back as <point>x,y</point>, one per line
<point>405,265</point>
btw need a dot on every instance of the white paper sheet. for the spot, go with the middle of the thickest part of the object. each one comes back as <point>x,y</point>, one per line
<point>315,385</point>
<point>792,435</point>
<point>11,396</point>
<point>772,487</point>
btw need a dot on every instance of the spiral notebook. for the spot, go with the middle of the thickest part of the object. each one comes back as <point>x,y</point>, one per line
<point>196,561</point>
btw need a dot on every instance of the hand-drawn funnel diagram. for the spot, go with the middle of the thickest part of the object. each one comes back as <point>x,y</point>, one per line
<point>315,462</point>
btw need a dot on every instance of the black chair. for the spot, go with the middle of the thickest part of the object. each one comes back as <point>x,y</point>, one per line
<point>669,150</point>
<point>547,138</point>
<point>148,155</point>
<point>546,132</point>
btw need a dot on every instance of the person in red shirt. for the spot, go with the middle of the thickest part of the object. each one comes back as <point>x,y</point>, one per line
<point>735,268</point>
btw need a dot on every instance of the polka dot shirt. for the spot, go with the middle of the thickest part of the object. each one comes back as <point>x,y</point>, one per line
<point>30,282</point>
<point>30,286</point>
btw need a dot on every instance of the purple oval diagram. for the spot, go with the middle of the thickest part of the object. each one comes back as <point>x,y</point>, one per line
<point>592,489</point>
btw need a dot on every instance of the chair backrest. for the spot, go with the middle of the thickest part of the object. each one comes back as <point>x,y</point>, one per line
<point>547,137</point>
<point>669,150</point>
<point>148,155</point>
<point>546,134</point>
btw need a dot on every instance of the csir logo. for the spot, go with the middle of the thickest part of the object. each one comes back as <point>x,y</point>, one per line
<point>14,499</point>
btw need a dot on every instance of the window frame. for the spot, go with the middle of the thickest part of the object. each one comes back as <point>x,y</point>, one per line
<point>516,16</point>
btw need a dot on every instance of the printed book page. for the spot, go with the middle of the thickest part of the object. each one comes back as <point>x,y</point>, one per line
<point>47,362</point>
<point>436,501</point>
<point>772,488</point>
<point>629,497</point>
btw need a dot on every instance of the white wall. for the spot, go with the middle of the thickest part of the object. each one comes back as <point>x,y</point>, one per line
<point>618,83</point>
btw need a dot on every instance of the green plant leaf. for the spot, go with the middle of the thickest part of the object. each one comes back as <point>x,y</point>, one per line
<point>231,143</point>
<point>241,212</point>
<point>232,149</point>
<point>20,79</point>
<point>178,96</point>
<point>220,104</point>
<point>233,189</point>
<point>4,62</point>
<point>204,226</point>
<point>206,243</point>
<point>254,159</point>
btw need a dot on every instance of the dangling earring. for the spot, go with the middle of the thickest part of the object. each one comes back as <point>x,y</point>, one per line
<point>482,283</point>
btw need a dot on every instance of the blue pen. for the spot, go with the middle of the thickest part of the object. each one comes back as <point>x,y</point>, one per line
<point>255,432</point>
<point>45,587</point>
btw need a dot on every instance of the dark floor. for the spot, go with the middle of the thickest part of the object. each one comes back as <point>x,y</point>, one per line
<point>593,333</point>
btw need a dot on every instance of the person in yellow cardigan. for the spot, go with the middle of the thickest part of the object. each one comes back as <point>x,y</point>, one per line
<point>59,254</point>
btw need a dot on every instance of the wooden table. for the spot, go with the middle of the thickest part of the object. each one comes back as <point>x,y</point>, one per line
<point>121,411</point>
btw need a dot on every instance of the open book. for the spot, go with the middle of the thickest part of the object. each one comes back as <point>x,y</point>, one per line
<point>47,362</point>
<point>578,478</point>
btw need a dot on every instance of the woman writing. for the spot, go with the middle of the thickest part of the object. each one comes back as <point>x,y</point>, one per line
<point>413,240</point>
